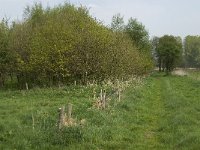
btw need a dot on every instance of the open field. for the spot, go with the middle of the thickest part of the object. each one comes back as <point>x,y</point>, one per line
<point>70,80</point>
<point>162,113</point>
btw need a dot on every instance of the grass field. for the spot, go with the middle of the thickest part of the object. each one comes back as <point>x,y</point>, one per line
<point>162,113</point>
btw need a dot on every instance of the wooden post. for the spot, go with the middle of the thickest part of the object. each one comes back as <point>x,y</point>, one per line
<point>26,86</point>
<point>94,93</point>
<point>61,117</point>
<point>119,94</point>
<point>104,99</point>
<point>69,111</point>
<point>101,95</point>
<point>86,80</point>
<point>75,83</point>
<point>118,91</point>
<point>33,122</point>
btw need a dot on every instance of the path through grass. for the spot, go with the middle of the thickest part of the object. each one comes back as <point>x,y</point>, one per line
<point>168,114</point>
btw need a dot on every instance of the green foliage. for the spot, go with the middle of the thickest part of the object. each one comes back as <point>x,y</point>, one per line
<point>169,52</point>
<point>138,34</point>
<point>140,38</point>
<point>7,56</point>
<point>117,23</point>
<point>55,46</point>
<point>66,136</point>
<point>4,55</point>
<point>192,51</point>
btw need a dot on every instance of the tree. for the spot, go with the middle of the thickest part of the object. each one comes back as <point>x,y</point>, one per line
<point>62,44</point>
<point>5,53</point>
<point>140,38</point>
<point>169,52</point>
<point>117,23</point>
<point>154,43</point>
<point>138,34</point>
<point>192,51</point>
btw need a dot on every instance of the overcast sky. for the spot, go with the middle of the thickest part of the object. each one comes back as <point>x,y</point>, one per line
<point>176,17</point>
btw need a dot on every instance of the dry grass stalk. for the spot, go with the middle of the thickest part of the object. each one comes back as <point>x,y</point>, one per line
<point>70,122</point>
<point>100,103</point>
<point>83,122</point>
<point>97,104</point>
<point>66,120</point>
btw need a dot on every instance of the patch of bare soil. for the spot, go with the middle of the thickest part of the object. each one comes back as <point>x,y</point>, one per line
<point>180,72</point>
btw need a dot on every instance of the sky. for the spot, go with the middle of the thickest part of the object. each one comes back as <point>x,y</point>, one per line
<point>160,17</point>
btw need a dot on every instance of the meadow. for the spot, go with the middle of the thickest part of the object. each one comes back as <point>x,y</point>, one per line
<point>159,112</point>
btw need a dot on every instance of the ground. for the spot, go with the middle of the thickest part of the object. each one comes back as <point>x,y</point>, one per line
<point>180,72</point>
<point>162,113</point>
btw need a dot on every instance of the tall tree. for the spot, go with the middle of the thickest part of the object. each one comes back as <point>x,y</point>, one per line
<point>138,34</point>
<point>192,51</point>
<point>5,55</point>
<point>62,44</point>
<point>169,52</point>
<point>117,23</point>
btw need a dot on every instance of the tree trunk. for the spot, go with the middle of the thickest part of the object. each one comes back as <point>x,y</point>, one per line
<point>159,64</point>
<point>1,80</point>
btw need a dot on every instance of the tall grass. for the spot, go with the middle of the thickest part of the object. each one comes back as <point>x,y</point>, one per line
<point>162,112</point>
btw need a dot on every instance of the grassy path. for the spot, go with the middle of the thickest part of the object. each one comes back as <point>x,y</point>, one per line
<point>148,113</point>
<point>167,112</point>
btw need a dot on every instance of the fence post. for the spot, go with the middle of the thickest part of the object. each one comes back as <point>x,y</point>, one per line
<point>118,91</point>
<point>101,95</point>
<point>69,111</point>
<point>104,99</point>
<point>61,117</point>
<point>119,94</point>
<point>26,86</point>
<point>33,122</point>
<point>94,93</point>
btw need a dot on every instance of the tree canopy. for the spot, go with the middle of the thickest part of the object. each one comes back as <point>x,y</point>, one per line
<point>58,45</point>
<point>192,51</point>
<point>138,34</point>
<point>168,52</point>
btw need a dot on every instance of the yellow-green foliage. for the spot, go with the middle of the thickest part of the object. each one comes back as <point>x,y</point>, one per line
<point>61,44</point>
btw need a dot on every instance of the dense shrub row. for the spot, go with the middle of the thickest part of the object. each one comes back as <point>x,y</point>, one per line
<point>59,45</point>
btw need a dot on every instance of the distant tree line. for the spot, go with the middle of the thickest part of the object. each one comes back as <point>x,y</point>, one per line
<point>58,45</point>
<point>170,52</point>
<point>192,51</point>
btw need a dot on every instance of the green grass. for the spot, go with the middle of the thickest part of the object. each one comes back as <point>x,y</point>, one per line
<point>163,113</point>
